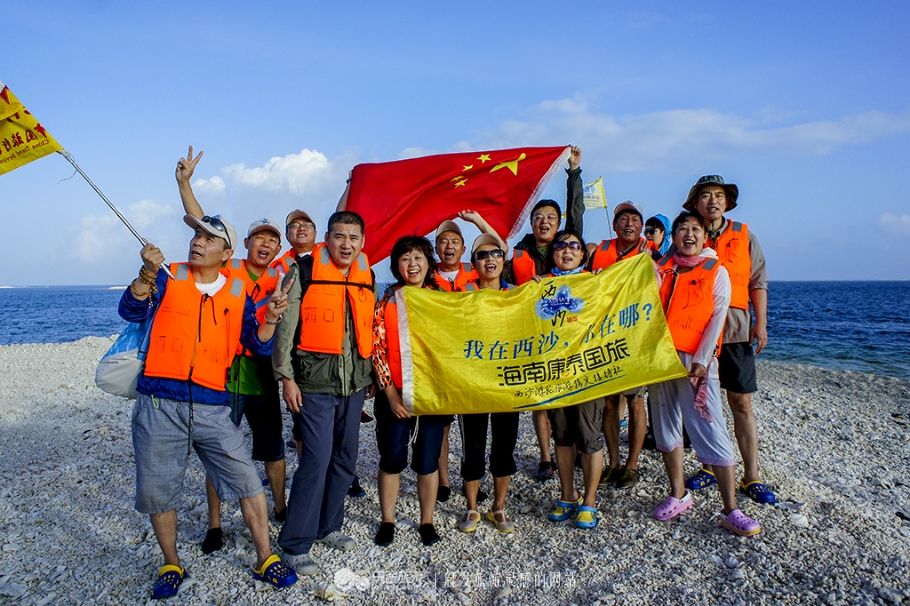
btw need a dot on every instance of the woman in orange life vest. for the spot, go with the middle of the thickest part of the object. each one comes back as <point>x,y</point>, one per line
<point>576,428</point>
<point>695,292</point>
<point>412,265</point>
<point>488,258</point>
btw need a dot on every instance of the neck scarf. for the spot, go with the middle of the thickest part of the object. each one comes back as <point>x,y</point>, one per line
<point>566,272</point>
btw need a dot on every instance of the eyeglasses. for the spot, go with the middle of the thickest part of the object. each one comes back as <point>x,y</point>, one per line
<point>304,226</point>
<point>562,245</point>
<point>219,226</point>
<point>496,253</point>
<point>539,218</point>
<point>650,230</point>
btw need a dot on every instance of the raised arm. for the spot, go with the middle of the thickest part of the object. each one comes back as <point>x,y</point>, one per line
<point>575,192</point>
<point>184,172</point>
<point>472,216</point>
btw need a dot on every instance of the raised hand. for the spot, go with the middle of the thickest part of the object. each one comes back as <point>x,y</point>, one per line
<point>186,166</point>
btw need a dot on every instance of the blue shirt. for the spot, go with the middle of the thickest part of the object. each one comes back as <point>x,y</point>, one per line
<point>132,309</point>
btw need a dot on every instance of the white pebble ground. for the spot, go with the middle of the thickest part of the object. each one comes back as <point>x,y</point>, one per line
<point>835,445</point>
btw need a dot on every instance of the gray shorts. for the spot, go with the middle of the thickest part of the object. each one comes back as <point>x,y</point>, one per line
<point>163,432</point>
<point>580,425</point>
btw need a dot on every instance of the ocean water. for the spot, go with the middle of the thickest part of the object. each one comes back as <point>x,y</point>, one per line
<point>862,326</point>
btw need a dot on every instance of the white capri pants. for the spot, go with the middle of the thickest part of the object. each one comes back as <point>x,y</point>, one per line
<point>674,406</point>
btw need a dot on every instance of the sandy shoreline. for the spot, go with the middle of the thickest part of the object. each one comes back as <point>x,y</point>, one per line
<point>831,445</point>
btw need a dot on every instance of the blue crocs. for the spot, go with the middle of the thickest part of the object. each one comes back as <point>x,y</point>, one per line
<point>564,510</point>
<point>275,572</point>
<point>586,517</point>
<point>702,479</point>
<point>168,582</point>
<point>758,492</point>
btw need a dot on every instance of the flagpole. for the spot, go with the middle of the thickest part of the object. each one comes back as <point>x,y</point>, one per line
<point>117,212</point>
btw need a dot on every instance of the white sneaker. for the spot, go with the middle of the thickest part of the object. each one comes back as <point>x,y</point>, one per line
<point>302,563</point>
<point>336,540</point>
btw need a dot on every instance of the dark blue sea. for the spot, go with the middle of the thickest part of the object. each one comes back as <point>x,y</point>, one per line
<point>862,326</point>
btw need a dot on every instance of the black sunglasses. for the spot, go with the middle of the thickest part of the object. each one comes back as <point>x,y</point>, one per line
<point>562,244</point>
<point>217,224</point>
<point>496,253</point>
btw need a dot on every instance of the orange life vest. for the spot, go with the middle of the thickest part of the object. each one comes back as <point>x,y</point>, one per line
<point>608,253</point>
<point>465,274</point>
<point>688,302</point>
<point>322,310</point>
<point>285,261</point>
<point>390,317</point>
<point>732,248</point>
<point>194,336</point>
<point>523,266</point>
<point>260,290</point>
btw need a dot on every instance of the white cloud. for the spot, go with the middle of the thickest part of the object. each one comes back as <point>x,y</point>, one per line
<point>102,239</point>
<point>898,225</point>
<point>672,138</point>
<point>299,173</point>
<point>212,186</point>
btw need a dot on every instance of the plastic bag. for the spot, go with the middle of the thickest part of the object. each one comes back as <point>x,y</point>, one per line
<point>119,368</point>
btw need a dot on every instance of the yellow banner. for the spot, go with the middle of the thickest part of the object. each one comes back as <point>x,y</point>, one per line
<point>22,138</point>
<point>562,341</point>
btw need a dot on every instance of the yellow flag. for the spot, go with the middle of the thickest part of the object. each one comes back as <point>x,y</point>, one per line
<point>22,138</point>
<point>562,341</point>
<point>595,195</point>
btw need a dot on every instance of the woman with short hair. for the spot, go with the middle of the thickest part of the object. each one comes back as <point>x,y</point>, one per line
<point>413,266</point>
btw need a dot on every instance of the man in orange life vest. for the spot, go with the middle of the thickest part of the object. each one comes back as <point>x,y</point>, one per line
<point>627,223</point>
<point>322,358</point>
<point>201,319</point>
<point>254,389</point>
<point>453,275</point>
<point>531,257</point>
<point>739,251</point>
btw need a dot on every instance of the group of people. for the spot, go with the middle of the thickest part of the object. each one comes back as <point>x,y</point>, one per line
<point>233,338</point>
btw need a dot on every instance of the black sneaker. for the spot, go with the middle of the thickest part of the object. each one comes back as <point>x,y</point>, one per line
<point>356,490</point>
<point>428,535</point>
<point>385,535</point>
<point>213,541</point>
<point>443,493</point>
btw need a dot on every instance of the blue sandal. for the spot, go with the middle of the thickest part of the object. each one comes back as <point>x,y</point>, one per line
<point>275,572</point>
<point>758,492</point>
<point>563,510</point>
<point>586,517</point>
<point>702,479</point>
<point>168,582</point>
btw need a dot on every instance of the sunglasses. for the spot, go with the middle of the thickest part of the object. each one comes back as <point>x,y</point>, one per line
<point>219,226</point>
<point>491,254</point>
<point>562,245</point>
<point>650,230</point>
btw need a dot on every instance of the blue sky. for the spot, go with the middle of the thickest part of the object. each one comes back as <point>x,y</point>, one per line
<point>804,105</point>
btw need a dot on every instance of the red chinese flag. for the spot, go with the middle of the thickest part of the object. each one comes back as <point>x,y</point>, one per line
<point>412,197</point>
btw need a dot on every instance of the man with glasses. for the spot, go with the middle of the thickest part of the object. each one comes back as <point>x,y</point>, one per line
<point>200,320</point>
<point>739,251</point>
<point>531,257</point>
<point>301,234</point>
